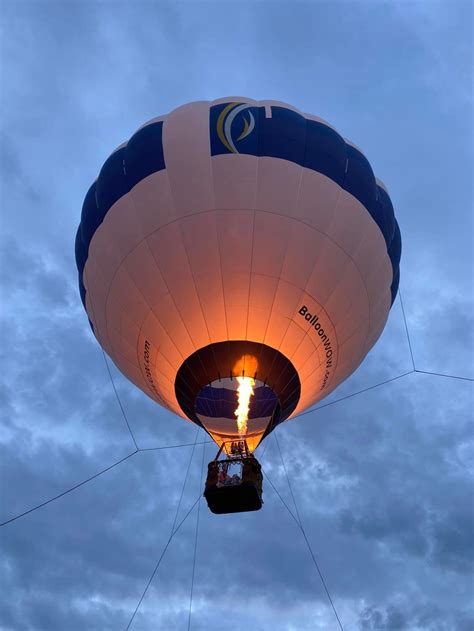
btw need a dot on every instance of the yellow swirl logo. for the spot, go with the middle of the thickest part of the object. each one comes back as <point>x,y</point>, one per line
<point>226,120</point>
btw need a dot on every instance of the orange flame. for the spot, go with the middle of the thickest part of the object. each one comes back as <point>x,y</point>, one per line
<point>245,391</point>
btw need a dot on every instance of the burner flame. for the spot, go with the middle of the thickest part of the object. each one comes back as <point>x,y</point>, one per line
<point>245,391</point>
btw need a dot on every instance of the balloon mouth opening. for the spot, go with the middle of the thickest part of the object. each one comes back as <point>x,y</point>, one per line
<point>207,390</point>
<point>236,407</point>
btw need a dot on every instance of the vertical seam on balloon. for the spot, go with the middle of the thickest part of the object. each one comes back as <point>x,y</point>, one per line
<point>277,286</point>
<point>380,230</point>
<point>86,275</point>
<point>345,265</point>
<point>115,355</point>
<point>295,206</point>
<point>308,337</point>
<point>354,355</point>
<point>165,281</point>
<point>257,166</point>
<point>216,220</point>
<point>89,292</point>
<point>178,219</point>
<point>152,311</point>
<point>104,334</point>
<point>369,343</point>
<point>173,300</point>
<point>287,243</point>
<point>336,203</point>
<point>194,280</point>
<point>214,212</point>
<point>122,265</point>
<point>213,204</point>
<point>339,192</point>
<point>371,307</point>
<point>140,326</point>
<point>304,291</point>
<point>154,315</point>
<point>268,114</point>
<point>254,209</point>
<point>217,215</point>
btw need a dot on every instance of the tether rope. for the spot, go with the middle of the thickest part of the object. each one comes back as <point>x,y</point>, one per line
<point>118,399</point>
<point>174,530</point>
<point>439,374</point>
<point>406,328</point>
<point>300,526</point>
<point>354,394</point>
<point>96,475</point>
<point>196,542</point>
<point>73,488</point>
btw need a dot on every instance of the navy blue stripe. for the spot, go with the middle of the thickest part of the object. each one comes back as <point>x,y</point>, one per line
<point>90,218</point>
<point>387,222</point>
<point>285,134</point>
<point>144,153</point>
<point>112,183</point>
<point>395,253</point>
<point>360,181</point>
<point>394,285</point>
<point>80,251</point>
<point>82,290</point>
<point>325,151</point>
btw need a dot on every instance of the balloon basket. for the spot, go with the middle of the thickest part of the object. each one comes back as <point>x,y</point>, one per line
<point>234,484</point>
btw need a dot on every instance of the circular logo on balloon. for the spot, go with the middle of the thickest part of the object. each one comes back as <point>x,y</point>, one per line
<point>235,118</point>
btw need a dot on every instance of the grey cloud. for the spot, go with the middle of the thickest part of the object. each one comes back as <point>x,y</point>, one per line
<point>409,616</point>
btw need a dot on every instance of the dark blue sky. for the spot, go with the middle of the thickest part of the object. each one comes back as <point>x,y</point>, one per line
<point>383,480</point>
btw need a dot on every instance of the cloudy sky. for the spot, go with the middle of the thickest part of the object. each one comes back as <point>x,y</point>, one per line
<point>383,480</point>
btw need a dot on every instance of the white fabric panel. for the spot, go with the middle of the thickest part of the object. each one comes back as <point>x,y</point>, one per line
<point>172,260</point>
<point>348,288</point>
<point>235,181</point>
<point>278,185</point>
<point>188,163</point>
<point>235,234</point>
<point>200,240</point>
<point>303,250</point>
<point>142,268</point>
<point>317,199</point>
<point>125,296</point>
<point>153,203</point>
<point>96,294</point>
<point>292,339</point>
<point>270,242</point>
<point>161,338</point>
<point>347,227</point>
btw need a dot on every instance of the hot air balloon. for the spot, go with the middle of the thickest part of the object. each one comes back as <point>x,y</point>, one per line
<point>237,261</point>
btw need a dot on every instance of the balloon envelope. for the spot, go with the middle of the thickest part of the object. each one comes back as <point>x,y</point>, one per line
<point>237,238</point>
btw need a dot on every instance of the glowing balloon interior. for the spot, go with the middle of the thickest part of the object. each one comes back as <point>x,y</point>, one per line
<point>237,260</point>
